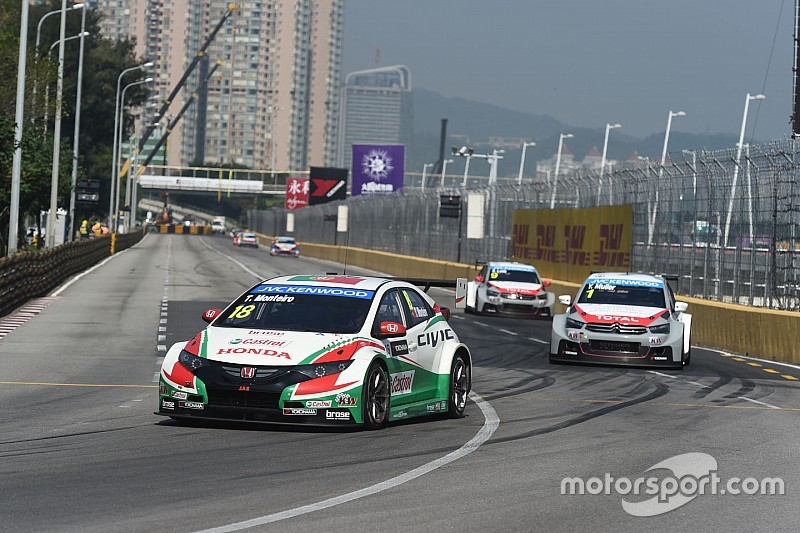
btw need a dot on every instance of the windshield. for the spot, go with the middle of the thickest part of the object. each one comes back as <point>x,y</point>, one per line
<point>623,292</point>
<point>285,307</point>
<point>510,274</point>
<point>287,240</point>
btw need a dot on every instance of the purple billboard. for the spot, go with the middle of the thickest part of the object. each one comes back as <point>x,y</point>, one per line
<point>377,169</point>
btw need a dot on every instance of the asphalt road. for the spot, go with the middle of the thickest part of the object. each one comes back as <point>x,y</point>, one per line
<point>81,449</point>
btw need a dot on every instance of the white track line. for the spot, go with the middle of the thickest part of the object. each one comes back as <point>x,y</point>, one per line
<point>779,363</point>
<point>745,398</point>
<point>231,259</point>
<point>98,265</point>
<point>764,404</point>
<point>509,332</point>
<point>540,341</point>
<point>491,422</point>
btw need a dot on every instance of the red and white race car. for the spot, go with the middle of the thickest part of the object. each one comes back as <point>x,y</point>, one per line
<point>511,289</point>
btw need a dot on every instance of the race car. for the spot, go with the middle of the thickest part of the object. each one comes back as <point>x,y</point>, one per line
<point>284,246</point>
<point>623,319</point>
<point>510,289</point>
<point>325,350</point>
<point>245,238</point>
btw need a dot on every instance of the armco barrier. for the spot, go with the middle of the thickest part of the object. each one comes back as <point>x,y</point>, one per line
<point>29,275</point>
<point>736,328</point>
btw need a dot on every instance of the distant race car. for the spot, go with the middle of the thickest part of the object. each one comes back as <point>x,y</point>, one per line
<point>623,319</point>
<point>284,246</point>
<point>325,350</point>
<point>511,289</point>
<point>246,239</point>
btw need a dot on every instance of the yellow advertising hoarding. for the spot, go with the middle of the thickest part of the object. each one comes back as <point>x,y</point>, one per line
<point>567,244</point>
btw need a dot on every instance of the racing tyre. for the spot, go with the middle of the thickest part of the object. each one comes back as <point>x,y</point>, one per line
<point>376,397</point>
<point>460,382</point>
<point>688,355</point>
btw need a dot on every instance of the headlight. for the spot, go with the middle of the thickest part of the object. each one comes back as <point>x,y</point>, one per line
<point>574,324</point>
<point>323,369</point>
<point>663,328</point>
<point>493,294</point>
<point>192,362</point>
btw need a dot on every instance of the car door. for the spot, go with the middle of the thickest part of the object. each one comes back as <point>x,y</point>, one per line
<point>425,340</point>
<point>480,289</point>
<point>401,360</point>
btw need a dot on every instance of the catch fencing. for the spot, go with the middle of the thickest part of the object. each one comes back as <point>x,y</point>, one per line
<point>725,221</point>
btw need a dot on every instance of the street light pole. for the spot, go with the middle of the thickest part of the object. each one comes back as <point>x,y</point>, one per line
<point>738,160</point>
<point>38,39</point>
<point>76,134</point>
<point>652,222</point>
<point>119,177</point>
<point>51,219</point>
<point>16,165</point>
<point>609,127</point>
<point>522,160</point>
<point>111,212</point>
<point>561,138</point>
<point>444,170</point>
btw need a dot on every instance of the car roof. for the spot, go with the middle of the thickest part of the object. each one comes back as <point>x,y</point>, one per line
<point>369,283</point>
<point>625,275</point>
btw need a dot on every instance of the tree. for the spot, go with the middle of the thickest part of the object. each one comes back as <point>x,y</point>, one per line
<point>104,59</point>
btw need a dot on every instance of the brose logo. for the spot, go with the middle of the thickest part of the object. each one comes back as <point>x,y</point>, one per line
<point>337,415</point>
<point>401,382</point>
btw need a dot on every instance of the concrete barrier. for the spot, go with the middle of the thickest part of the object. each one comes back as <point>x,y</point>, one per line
<point>736,328</point>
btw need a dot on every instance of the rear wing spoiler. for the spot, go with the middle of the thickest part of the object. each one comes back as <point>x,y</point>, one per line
<point>459,284</point>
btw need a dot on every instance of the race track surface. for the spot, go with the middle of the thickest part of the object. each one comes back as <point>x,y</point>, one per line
<point>82,450</point>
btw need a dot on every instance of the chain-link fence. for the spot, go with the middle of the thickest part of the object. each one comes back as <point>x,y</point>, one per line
<point>725,222</point>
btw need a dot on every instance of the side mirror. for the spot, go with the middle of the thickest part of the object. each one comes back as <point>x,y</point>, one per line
<point>210,314</point>
<point>565,299</point>
<point>546,283</point>
<point>392,329</point>
<point>680,307</point>
<point>479,279</point>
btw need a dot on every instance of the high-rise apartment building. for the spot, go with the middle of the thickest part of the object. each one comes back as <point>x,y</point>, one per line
<point>273,101</point>
<point>377,108</point>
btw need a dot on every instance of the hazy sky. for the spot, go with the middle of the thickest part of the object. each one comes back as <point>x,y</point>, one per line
<point>588,62</point>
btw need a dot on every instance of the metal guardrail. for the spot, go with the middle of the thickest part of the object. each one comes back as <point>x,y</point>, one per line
<point>728,227</point>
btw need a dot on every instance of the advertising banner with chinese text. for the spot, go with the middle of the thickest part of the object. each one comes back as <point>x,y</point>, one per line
<point>568,244</point>
<point>296,193</point>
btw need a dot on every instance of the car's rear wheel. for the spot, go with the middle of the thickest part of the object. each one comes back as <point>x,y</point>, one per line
<point>375,403</point>
<point>687,357</point>
<point>460,383</point>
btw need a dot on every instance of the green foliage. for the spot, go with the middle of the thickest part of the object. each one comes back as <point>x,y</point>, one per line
<point>104,60</point>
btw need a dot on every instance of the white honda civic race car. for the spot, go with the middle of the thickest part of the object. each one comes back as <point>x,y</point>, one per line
<point>323,350</point>
<point>623,319</point>
<point>510,289</point>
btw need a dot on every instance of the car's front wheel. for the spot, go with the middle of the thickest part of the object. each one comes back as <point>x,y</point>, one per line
<point>460,383</point>
<point>375,402</point>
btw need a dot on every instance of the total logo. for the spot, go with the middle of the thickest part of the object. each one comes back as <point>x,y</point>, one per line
<point>620,319</point>
<point>337,415</point>
<point>401,382</point>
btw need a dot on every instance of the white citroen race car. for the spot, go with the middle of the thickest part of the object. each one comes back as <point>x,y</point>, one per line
<point>511,289</point>
<point>325,350</point>
<point>623,319</point>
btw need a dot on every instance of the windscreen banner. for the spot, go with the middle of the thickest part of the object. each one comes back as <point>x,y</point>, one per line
<point>568,244</point>
<point>377,169</point>
<point>296,193</point>
<point>327,184</point>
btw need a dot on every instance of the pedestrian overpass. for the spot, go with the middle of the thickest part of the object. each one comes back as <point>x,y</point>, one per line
<point>216,181</point>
